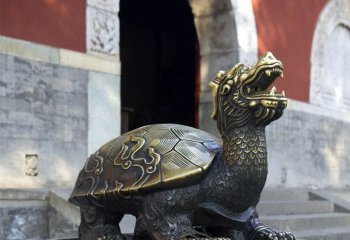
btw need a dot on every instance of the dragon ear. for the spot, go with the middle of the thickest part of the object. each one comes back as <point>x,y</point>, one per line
<point>214,85</point>
<point>214,89</point>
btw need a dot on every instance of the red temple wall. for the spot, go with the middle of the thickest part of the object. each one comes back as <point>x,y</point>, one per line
<point>58,23</point>
<point>286,29</point>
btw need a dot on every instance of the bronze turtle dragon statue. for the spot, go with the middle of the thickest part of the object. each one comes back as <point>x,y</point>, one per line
<point>183,183</point>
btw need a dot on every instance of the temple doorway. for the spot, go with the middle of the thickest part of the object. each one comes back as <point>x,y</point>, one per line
<point>159,63</point>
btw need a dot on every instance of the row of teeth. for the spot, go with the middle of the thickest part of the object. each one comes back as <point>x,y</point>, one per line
<point>272,91</point>
<point>268,72</point>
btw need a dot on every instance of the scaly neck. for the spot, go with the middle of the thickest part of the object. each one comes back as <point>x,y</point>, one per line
<point>245,146</point>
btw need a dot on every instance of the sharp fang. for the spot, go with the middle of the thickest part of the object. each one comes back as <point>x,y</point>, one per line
<point>281,74</point>
<point>268,72</point>
<point>283,93</point>
<point>273,91</point>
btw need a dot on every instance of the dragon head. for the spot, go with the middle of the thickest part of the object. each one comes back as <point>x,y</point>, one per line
<point>243,95</point>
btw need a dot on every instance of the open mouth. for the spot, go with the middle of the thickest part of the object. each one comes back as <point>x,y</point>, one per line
<point>260,86</point>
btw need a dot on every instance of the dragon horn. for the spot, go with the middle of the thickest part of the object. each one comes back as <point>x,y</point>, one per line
<point>233,70</point>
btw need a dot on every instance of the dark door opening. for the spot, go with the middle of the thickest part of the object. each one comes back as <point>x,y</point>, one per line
<point>158,52</point>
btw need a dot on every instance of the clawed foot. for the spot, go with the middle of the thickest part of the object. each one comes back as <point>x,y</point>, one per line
<point>111,237</point>
<point>255,230</point>
<point>193,235</point>
<point>205,238</point>
<point>103,232</point>
<point>266,233</point>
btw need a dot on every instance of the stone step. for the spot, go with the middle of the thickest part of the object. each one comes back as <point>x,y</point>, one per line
<point>336,233</point>
<point>284,195</point>
<point>267,208</point>
<point>23,194</point>
<point>67,237</point>
<point>21,218</point>
<point>302,222</point>
<point>23,203</point>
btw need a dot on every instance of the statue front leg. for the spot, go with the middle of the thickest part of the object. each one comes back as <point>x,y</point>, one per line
<point>97,224</point>
<point>255,230</point>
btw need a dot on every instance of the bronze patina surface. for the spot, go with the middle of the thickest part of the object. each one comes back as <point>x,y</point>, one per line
<point>152,157</point>
<point>183,183</point>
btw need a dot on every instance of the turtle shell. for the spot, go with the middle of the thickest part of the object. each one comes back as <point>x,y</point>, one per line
<point>148,158</point>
